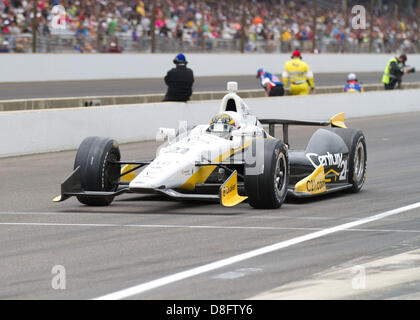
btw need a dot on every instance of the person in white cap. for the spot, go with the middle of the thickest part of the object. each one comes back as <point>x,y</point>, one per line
<point>352,84</point>
<point>4,48</point>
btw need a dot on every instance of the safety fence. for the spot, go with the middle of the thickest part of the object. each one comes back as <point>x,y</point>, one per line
<point>129,43</point>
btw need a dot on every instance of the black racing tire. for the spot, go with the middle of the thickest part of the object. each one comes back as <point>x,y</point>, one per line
<point>358,162</point>
<point>268,190</point>
<point>97,172</point>
<point>356,143</point>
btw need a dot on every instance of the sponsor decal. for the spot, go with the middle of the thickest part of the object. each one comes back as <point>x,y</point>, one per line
<point>145,178</point>
<point>330,160</point>
<point>343,174</point>
<point>330,175</point>
<point>187,172</point>
<point>316,185</point>
<point>243,108</point>
<point>228,189</point>
<point>327,160</point>
<point>180,150</point>
<point>162,163</point>
<point>228,192</point>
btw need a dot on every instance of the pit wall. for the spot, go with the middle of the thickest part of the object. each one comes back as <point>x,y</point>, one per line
<point>63,67</point>
<point>37,131</point>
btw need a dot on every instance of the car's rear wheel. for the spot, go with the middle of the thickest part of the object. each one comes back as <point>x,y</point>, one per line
<point>357,168</point>
<point>96,158</point>
<point>267,189</point>
<point>358,162</point>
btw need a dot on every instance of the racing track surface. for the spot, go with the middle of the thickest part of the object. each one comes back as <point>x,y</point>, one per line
<point>143,238</point>
<point>58,89</point>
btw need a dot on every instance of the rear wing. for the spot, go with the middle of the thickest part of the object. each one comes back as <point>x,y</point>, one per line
<point>335,121</point>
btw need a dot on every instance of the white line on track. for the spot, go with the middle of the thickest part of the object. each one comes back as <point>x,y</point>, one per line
<point>52,224</point>
<point>12,213</point>
<point>277,217</point>
<point>111,225</point>
<point>97,214</point>
<point>125,293</point>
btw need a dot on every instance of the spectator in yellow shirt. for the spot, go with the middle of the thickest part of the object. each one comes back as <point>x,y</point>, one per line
<point>140,9</point>
<point>286,36</point>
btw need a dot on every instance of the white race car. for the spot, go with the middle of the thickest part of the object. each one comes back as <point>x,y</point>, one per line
<point>229,160</point>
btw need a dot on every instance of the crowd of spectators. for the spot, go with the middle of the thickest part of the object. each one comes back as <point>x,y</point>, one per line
<point>211,25</point>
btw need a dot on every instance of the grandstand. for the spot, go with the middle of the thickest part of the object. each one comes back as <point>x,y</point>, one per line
<point>268,26</point>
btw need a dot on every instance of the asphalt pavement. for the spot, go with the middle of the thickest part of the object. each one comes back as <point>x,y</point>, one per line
<point>141,242</point>
<point>60,89</point>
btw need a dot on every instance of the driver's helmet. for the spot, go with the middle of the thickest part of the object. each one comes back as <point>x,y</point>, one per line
<point>222,125</point>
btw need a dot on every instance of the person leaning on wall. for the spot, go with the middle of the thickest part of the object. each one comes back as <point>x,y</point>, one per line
<point>270,83</point>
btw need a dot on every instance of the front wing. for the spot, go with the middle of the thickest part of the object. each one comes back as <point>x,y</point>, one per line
<point>315,184</point>
<point>228,192</point>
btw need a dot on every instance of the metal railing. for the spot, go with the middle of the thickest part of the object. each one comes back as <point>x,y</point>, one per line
<point>70,43</point>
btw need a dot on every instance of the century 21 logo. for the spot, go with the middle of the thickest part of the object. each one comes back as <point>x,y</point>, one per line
<point>59,17</point>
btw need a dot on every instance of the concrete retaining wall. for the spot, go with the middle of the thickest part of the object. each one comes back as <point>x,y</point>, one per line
<point>58,103</point>
<point>55,67</point>
<point>25,132</point>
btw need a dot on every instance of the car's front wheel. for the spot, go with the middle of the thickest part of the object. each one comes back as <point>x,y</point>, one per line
<point>267,178</point>
<point>96,158</point>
